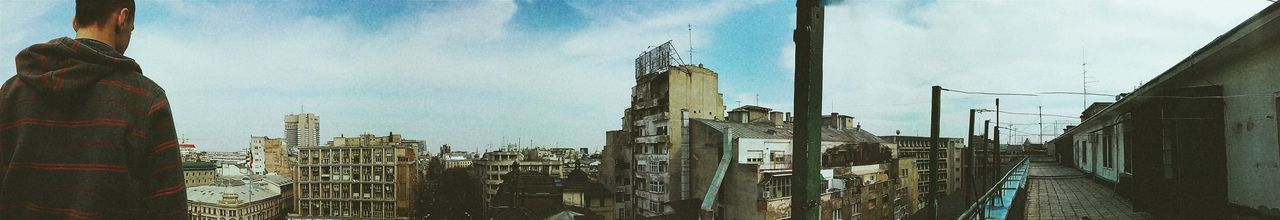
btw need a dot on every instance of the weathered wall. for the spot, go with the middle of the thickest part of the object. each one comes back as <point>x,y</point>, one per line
<point>1250,82</point>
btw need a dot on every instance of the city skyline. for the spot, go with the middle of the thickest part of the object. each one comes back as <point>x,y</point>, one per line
<point>469,74</point>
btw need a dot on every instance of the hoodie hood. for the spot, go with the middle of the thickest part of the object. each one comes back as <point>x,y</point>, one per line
<point>70,66</point>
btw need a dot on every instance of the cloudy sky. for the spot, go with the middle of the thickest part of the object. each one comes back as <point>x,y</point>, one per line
<point>475,73</point>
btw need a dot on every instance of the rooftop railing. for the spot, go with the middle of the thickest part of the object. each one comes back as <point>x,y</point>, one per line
<point>996,202</point>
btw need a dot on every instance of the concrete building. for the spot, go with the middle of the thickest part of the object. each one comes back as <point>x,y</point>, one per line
<point>234,199</point>
<point>490,168</point>
<point>662,101</point>
<point>268,156</point>
<point>234,157</point>
<point>301,130</point>
<point>949,150</point>
<point>364,177</point>
<point>753,163</point>
<point>1198,141</point>
<point>908,184</point>
<point>615,171</point>
<point>196,173</point>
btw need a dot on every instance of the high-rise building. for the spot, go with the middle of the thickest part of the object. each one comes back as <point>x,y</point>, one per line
<point>301,130</point>
<point>665,97</point>
<point>363,177</point>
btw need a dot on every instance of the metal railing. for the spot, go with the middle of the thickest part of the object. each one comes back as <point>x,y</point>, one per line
<point>979,209</point>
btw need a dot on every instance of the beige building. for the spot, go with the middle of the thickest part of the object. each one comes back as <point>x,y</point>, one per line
<point>662,102</point>
<point>196,173</point>
<point>301,130</point>
<point>918,148</point>
<point>363,177</point>
<point>229,199</point>
<point>276,157</point>
<point>490,168</point>
<point>908,184</point>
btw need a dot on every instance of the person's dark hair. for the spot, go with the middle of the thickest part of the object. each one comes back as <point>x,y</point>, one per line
<point>92,12</point>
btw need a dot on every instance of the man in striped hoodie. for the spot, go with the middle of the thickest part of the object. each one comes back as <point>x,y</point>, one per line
<point>83,134</point>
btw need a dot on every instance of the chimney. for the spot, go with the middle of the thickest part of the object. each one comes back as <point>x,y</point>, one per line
<point>776,118</point>
<point>834,121</point>
<point>789,119</point>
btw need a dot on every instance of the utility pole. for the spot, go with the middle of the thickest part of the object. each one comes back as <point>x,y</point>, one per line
<point>1041,115</point>
<point>997,136</point>
<point>986,144</point>
<point>806,142</point>
<point>968,160</point>
<point>933,152</point>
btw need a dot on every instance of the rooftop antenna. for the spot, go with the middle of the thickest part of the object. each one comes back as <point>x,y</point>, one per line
<point>690,43</point>
<point>1084,80</point>
<point>757,99</point>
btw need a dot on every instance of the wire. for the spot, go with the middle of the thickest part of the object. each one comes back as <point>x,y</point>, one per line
<point>1076,93</point>
<point>988,93</point>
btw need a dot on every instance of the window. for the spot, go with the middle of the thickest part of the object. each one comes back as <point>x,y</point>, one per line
<point>777,156</point>
<point>755,156</point>
<point>1108,144</point>
<point>777,187</point>
<point>662,166</point>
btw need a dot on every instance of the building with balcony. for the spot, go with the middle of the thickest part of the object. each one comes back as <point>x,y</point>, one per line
<point>949,151</point>
<point>490,168</point>
<point>744,168</point>
<point>664,98</point>
<point>364,177</point>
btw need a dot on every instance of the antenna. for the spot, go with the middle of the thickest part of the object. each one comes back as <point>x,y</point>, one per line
<point>690,43</point>
<point>757,99</point>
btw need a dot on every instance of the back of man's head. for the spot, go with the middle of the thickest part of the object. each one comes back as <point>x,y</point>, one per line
<point>95,12</point>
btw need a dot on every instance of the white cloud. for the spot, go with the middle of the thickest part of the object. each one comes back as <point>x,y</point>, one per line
<point>882,57</point>
<point>455,76</point>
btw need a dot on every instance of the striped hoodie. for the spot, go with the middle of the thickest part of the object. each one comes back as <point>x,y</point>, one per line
<point>84,135</point>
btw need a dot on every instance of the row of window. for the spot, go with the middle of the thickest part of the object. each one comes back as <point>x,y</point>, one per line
<point>661,167</point>
<point>346,191</point>
<point>347,173</point>
<point>330,156</point>
<point>361,209</point>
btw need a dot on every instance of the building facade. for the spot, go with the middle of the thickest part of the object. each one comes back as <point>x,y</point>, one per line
<point>301,129</point>
<point>490,168</point>
<point>196,173</point>
<point>365,177</point>
<point>951,167</point>
<point>661,104</point>
<point>744,169</point>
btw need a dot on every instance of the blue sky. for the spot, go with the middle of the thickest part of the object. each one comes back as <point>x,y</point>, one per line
<point>475,73</point>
